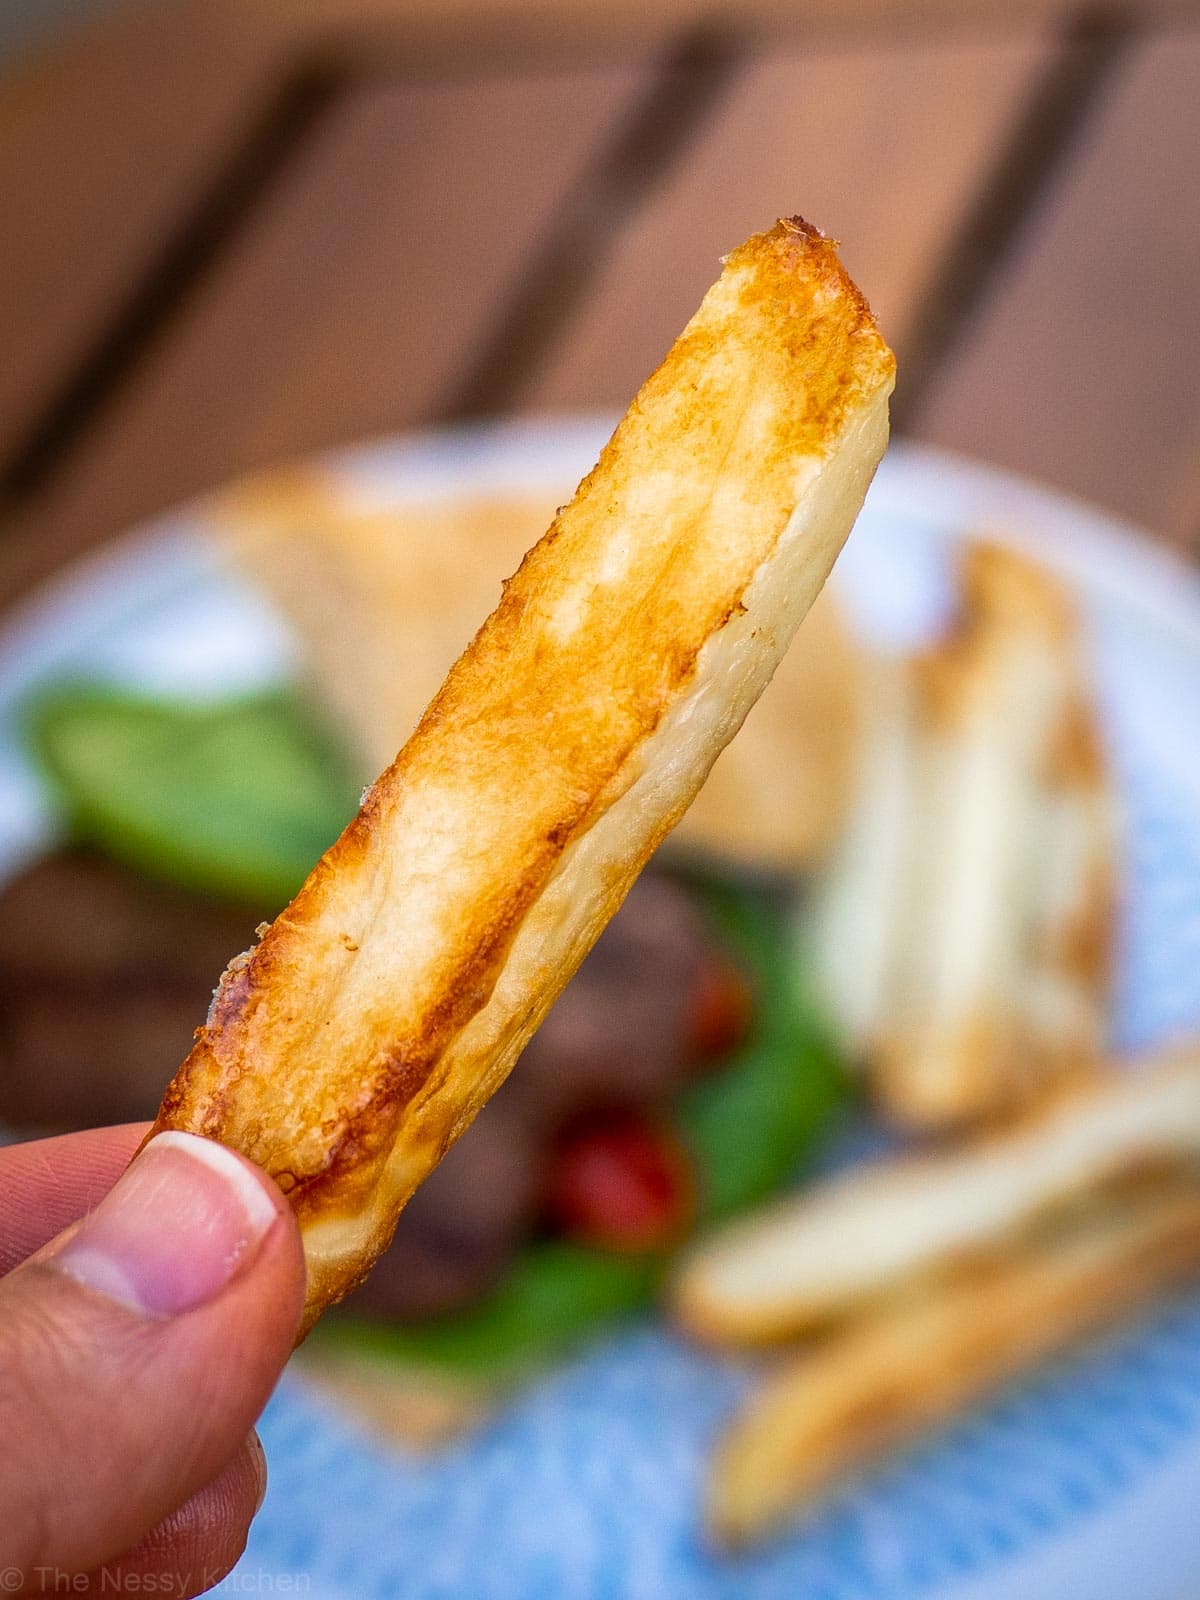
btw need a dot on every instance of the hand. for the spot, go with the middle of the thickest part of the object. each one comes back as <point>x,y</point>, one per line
<point>137,1348</point>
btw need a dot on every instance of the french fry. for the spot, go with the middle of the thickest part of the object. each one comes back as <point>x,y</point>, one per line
<point>349,1049</point>
<point>819,1256</point>
<point>1070,959</point>
<point>963,927</point>
<point>989,704</point>
<point>831,1413</point>
<point>860,892</point>
<point>385,600</point>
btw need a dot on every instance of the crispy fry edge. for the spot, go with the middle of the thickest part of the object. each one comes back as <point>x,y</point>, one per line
<point>347,1051</point>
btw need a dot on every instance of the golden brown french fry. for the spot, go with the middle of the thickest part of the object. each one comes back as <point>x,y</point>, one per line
<point>821,1254</point>
<point>383,1007</point>
<point>385,600</point>
<point>833,1412</point>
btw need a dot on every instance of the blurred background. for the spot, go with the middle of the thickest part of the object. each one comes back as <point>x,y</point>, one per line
<point>239,230</point>
<point>241,233</point>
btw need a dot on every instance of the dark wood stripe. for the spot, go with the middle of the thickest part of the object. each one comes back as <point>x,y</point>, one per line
<point>185,259</point>
<point>1094,45</point>
<point>593,216</point>
<point>695,74</point>
<point>691,79</point>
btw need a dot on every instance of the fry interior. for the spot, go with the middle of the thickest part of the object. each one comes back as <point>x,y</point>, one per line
<point>349,1049</point>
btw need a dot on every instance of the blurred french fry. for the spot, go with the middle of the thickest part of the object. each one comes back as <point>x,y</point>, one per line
<point>820,1255</point>
<point>859,895</point>
<point>384,601</point>
<point>964,922</point>
<point>831,1413</point>
<point>989,705</point>
<point>1071,954</point>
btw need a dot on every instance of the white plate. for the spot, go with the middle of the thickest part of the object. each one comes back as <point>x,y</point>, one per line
<point>1082,1482</point>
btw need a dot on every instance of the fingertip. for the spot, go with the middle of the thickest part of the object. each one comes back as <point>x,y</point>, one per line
<point>143,1363</point>
<point>185,1219</point>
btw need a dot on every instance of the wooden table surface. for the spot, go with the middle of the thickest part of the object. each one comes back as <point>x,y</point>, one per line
<point>239,230</point>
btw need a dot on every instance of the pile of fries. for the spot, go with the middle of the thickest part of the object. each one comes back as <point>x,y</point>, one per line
<point>934,1280</point>
<point>963,928</point>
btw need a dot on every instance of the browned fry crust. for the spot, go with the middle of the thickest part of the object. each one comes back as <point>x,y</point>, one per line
<point>384,599</point>
<point>350,1048</point>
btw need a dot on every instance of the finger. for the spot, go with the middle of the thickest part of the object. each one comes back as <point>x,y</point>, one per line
<point>195,1547</point>
<point>48,1183</point>
<point>138,1349</point>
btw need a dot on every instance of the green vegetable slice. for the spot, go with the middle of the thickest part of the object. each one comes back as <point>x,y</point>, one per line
<point>749,1123</point>
<point>236,799</point>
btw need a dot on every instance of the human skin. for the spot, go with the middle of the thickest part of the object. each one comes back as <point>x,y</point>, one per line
<point>130,1446</point>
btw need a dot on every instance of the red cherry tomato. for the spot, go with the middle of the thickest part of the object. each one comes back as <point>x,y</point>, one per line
<point>621,1183</point>
<point>720,1011</point>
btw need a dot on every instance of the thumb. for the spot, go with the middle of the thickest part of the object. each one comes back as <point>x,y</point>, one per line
<point>137,1349</point>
